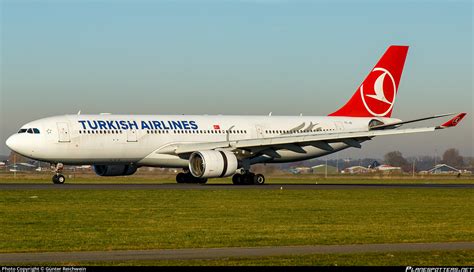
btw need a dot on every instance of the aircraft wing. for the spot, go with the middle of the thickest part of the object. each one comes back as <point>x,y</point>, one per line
<point>398,124</point>
<point>351,138</point>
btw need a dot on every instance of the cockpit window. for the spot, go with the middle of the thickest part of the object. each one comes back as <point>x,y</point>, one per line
<point>29,130</point>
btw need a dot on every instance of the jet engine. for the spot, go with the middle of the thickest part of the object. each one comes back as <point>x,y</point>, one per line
<point>115,170</point>
<point>212,164</point>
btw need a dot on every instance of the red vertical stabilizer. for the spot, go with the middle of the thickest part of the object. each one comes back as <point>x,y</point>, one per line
<point>376,95</point>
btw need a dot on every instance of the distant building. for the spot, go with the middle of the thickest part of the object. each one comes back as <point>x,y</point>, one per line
<point>374,165</point>
<point>321,169</point>
<point>355,170</point>
<point>388,168</point>
<point>300,170</point>
<point>303,170</point>
<point>444,169</point>
<point>28,165</point>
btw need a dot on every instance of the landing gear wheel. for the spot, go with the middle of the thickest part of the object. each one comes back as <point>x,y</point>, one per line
<point>181,178</point>
<point>236,179</point>
<point>59,179</point>
<point>201,180</point>
<point>258,179</point>
<point>188,178</point>
<point>248,178</point>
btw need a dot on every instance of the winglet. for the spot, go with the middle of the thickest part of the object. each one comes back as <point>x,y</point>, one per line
<point>453,122</point>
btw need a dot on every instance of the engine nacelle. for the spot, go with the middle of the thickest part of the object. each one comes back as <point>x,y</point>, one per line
<point>212,164</point>
<point>115,170</point>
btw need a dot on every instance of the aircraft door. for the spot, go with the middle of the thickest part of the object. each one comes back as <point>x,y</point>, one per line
<point>132,135</point>
<point>339,126</point>
<point>259,131</point>
<point>63,132</point>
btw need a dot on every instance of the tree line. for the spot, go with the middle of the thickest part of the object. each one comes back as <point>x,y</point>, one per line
<point>450,157</point>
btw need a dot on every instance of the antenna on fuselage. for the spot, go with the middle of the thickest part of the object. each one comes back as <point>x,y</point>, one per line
<point>79,112</point>
<point>270,114</point>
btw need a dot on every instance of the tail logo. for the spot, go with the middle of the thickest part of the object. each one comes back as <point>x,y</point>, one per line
<point>456,120</point>
<point>380,100</point>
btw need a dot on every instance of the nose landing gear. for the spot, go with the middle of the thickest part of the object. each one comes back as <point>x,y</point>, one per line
<point>58,178</point>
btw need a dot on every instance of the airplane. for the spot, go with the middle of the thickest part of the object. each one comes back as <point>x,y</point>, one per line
<point>219,146</point>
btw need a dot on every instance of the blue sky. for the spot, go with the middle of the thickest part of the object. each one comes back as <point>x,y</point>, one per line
<point>235,57</point>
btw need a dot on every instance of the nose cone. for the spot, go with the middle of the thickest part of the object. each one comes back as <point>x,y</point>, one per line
<point>20,144</point>
<point>12,142</point>
<point>24,144</point>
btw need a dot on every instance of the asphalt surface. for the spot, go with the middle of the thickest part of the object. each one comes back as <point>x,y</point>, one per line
<point>292,186</point>
<point>217,253</point>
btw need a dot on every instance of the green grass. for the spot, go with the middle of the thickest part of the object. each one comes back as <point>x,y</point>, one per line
<point>423,258</point>
<point>45,178</point>
<point>75,220</point>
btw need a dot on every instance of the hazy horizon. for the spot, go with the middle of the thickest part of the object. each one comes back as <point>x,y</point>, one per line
<point>236,57</point>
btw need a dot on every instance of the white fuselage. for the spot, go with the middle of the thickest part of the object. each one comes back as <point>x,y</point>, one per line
<point>145,140</point>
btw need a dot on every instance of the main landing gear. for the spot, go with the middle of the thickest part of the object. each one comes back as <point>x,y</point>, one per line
<point>58,178</point>
<point>248,178</point>
<point>188,178</point>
